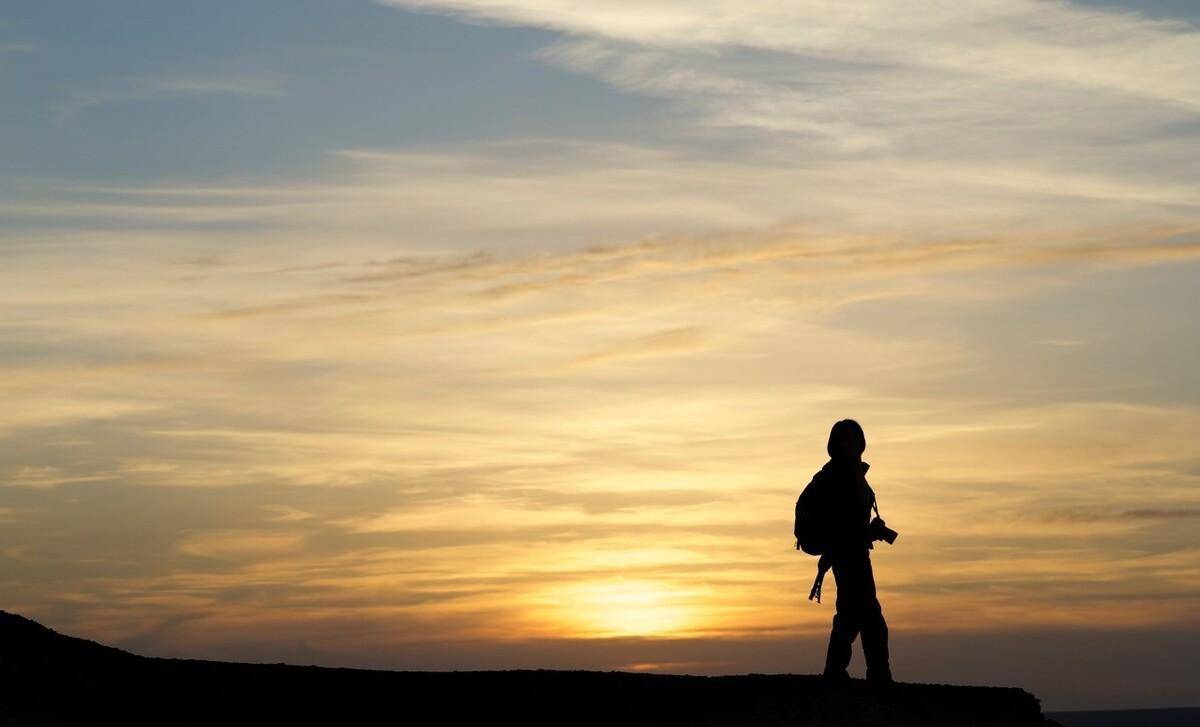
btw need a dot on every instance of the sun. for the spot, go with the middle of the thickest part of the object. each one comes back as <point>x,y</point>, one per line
<point>626,608</point>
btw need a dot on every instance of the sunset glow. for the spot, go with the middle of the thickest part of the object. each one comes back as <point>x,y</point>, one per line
<point>504,333</point>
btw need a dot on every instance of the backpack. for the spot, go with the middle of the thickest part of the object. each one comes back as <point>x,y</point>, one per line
<point>811,526</point>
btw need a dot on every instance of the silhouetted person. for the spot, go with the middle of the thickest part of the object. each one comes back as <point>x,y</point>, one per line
<point>849,504</point>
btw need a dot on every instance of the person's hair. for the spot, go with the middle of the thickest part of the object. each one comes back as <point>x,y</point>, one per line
<point>843,428</point>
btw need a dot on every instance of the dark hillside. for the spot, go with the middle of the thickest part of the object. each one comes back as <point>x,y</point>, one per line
<point>49,678</point>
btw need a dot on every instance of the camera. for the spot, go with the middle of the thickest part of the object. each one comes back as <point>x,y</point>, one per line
<point>878,530</point>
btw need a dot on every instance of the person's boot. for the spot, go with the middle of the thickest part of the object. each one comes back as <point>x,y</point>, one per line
<point>835,676</point>
<point>879,677</point>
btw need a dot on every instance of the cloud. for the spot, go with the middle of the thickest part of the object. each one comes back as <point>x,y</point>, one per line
<point>1162,514</point>
<point>241,84</point>
<point>688,339</point>
<point>437,399</point>
<point>47,476</point>
<point>555,195</point>
<point>892,107</point>
<point>240,544</point>
<point>172,85</point>
<point>804,254</point>
<point>404,444</point>
<point>286,513</point>
<point>9,514</point>
<point>1055,42</point>
<point>1092,515</point>
<point>627,354</point>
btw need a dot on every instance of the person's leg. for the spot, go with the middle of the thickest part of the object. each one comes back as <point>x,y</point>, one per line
<point>837,657</point>
<point>874,629</point>
<point>875,647</point>
<point>845,622</point>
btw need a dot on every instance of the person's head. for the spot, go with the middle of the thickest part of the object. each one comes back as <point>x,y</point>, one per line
<point>846,441</point>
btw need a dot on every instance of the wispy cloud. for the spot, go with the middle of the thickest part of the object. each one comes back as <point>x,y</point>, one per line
<point>243,84</point>
<point>561,194</point>
<point>401,438</point>
<point>239,544</point>
<point>674,341</point>
<point>173,85</point>
<point>364,405</point>
<point>1087,516</point>
<point>1057,42</point>
<point>1050,101</point>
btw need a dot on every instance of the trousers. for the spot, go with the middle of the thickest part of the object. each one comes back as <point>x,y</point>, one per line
<point>858,612</point>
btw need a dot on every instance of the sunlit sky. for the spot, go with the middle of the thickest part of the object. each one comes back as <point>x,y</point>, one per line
<point>446,334</point>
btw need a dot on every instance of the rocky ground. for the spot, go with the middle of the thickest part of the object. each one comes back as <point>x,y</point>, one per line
<point>51,679</point>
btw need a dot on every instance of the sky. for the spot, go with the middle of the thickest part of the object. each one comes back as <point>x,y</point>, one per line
<point>454,334</point>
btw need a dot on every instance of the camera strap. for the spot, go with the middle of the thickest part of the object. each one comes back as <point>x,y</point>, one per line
<point>823,566</point>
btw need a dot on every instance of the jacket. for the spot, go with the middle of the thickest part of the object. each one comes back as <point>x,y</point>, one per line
<point>849,500</point>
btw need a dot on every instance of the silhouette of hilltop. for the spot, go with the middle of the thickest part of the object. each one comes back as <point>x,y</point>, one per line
<point>52,679</point>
